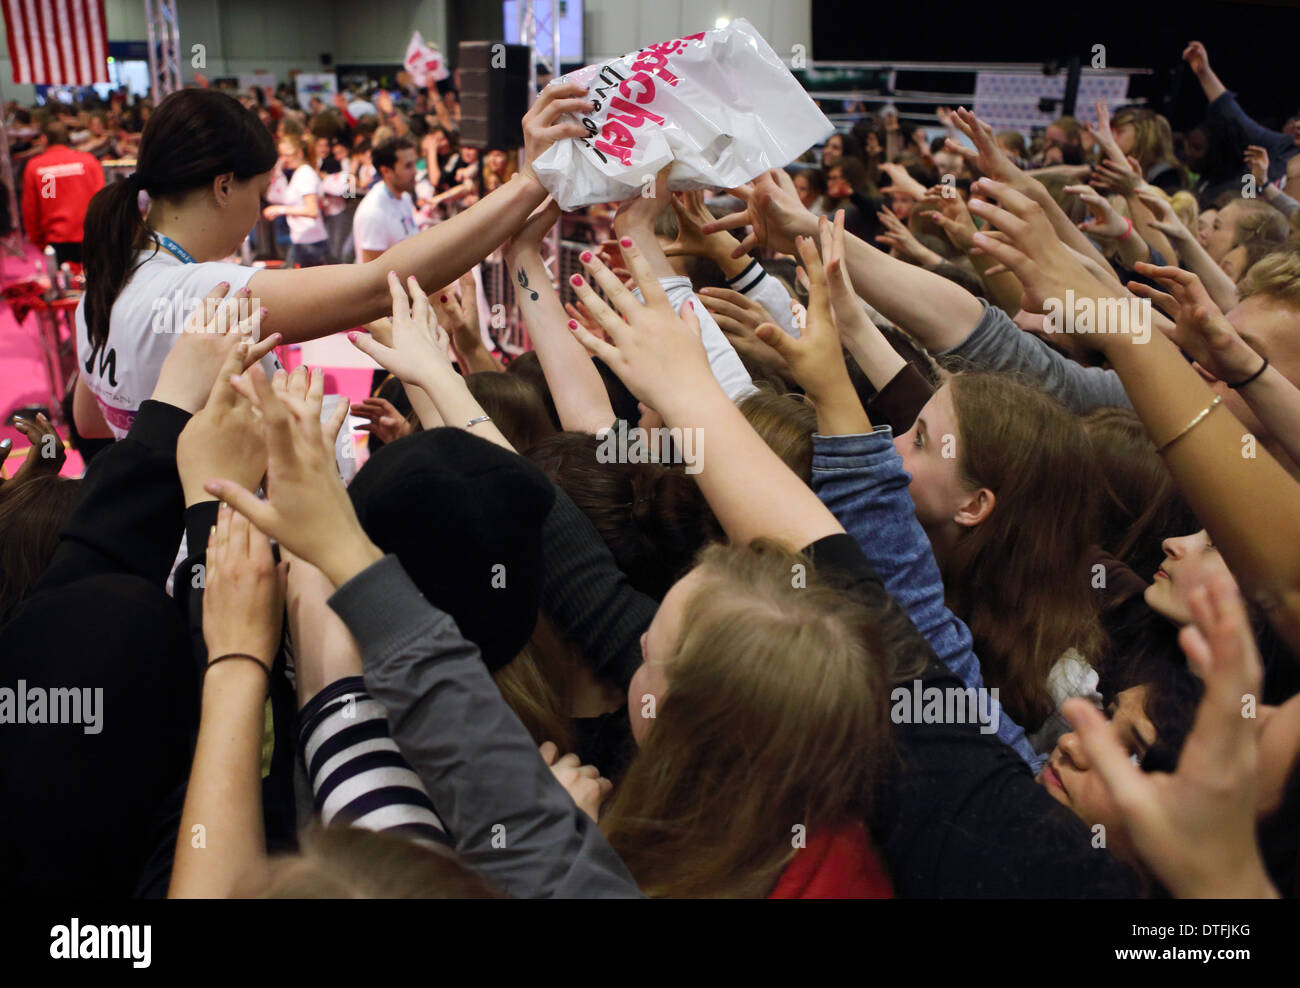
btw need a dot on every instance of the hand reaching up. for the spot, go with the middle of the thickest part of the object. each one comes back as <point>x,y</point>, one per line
<point>655,351</point>
<point>307,508</point>
<point>1200,328</point>
<point>1195,828</point>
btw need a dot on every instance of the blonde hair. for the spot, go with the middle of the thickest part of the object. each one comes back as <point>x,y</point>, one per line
<point>1186,208</point>
<point>786,422</point>
<point>1275,276</point>
<point>1153,139</point>
<point>351,863</point>
<point>776,717</point>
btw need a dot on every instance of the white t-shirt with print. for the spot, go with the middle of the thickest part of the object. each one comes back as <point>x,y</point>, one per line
<point>382,220</point>
<point>144,326</point>
<point>305,182</point>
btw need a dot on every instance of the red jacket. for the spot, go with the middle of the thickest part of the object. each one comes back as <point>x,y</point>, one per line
<point>836,864</point>
<point>57,187</point>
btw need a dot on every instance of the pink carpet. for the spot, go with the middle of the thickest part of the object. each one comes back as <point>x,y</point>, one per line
<point>23,379</point>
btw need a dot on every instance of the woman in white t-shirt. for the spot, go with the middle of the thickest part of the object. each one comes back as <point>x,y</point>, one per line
<point>295,194</point>
<point>206,162</point>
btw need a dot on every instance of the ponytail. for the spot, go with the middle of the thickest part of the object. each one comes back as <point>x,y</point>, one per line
<point>114,231</point>
<point>194,136</point>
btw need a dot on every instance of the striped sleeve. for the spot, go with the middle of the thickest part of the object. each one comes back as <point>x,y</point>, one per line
<point>767,291</point>
<point>357,774</point>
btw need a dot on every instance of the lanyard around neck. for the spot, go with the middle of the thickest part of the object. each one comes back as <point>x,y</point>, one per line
<point>173,248</point>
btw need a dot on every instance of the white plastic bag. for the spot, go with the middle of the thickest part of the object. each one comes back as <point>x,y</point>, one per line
<point>720,106</point>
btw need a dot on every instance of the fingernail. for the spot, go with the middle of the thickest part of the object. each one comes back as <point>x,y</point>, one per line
<point>576,281</point>
<point>691,303</point>
<point>353,336</point>
<point>442,298</point>
<point>625,242</point>
<point>573,324</point>
<point>6,443</point>
<point>585,257</point>
<point>261,311</point>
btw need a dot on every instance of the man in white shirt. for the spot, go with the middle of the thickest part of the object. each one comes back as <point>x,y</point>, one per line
<point>387,213</point>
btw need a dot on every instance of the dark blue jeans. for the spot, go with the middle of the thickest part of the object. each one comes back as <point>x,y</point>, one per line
<point>308,255</point>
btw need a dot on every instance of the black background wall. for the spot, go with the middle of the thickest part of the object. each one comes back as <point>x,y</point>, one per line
<point>1254,46</point>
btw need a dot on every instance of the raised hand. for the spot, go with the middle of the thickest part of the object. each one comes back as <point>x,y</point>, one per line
<point>382,419</point>
<point>988,156</point>
<point>307,507</point>
<point>1196,57</point>
<point>1195,828</point>
<point>899,236</point>
<point>950,211</point>
<point>224,439</point>
<point>739,318</point>
<point>1103,220</point>
<point>816,358</point>
<point>419,346</point>
<point>243,597</point>
<point>1200,328</point>
<point>692,241</point>
<point>205,341</point>
<point>772,211</point>
<point>46,455</point>
<point>1164,218</point>
<point>543,125</point>
<point>1257,162</point>
<point>655,351</point>
<point>1023,240</point>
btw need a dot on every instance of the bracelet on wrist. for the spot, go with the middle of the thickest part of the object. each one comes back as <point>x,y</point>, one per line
<point>1253,377</point>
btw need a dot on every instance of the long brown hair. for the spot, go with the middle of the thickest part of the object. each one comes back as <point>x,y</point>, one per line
<point>1019,579</point>
<point>1140,505</point>
<point>776,717</point>
<point>32,513</point>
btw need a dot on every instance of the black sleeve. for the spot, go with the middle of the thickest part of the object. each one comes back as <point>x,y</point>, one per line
<point>128,520</point>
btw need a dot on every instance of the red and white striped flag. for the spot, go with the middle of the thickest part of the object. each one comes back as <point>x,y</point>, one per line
<point>57,42</point>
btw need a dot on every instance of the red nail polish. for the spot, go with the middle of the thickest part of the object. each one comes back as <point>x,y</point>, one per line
<point>625,242</point>
<point>573,324</point>
<point>442,298</point>
<point>352,337</point>
<point>691,303</point>
<point>585,257</point>
<point>576,281</point>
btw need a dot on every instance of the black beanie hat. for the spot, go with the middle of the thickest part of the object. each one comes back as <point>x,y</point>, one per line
<point>465,517</point>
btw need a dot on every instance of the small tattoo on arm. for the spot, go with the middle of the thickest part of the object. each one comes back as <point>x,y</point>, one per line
<point>523,283</point>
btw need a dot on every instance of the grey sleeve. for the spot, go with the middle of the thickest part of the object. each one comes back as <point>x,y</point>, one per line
<point>997,343</point>
<point>507,814</point>
<point>1282,202</point>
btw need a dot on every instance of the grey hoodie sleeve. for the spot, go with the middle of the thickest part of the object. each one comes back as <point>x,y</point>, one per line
<point>997,343</point>
<point>507,814</point>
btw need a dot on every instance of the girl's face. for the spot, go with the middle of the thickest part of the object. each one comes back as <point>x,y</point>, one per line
<point>873,147</point>
<point>290,154</point>
<point>929,452</point>
<point>804,189</point>
<point>837,186</point>
<point>902,205</point>
<point>440,143</point>
<point>1234,263</point>
<point>243,209</point>
<point>496,161</point>
<point>833,151</point>
<point>1223,230</point>
<point>1191,561</point>
<point>1204,224</point>
<point>1070,778</point>
<point>649,686</point>
<point>1125,137</point>
<point>469,155</point>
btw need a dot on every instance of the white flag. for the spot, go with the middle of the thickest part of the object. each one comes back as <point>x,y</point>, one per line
<point>424,62</point>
